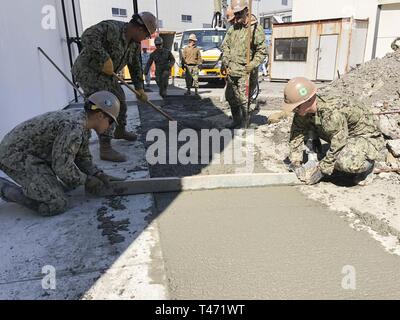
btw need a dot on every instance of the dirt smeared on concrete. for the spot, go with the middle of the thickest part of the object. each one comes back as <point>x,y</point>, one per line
<point>111,228</point>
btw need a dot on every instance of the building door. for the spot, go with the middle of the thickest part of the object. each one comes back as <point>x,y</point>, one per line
<point>327,52</point>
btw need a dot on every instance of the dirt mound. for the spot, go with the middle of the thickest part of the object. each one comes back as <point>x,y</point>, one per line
<point>375,83</point>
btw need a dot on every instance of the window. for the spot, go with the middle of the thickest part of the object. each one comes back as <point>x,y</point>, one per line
<point>287,19</point>
<point>207,25</point>
<point>284,2</point>
<point>160,24</point>
<point>186,18</point>
<point>206,39</point>
<point>266,23</point>
<point>291,49</point>
<point>118,12</point>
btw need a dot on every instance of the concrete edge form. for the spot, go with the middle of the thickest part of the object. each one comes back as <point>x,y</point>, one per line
<point>201,182</point>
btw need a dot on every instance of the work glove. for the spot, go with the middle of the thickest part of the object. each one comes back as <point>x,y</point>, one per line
<point>107,179</point>
<point>142,96</point>
<point>224,70</point>
<point>299,170</point>
<point>277,117</point>
<point>108,67</point>
<point>93,185</point>
<point>313,175</point>
<point>250,67</point>
<point>309,173</point>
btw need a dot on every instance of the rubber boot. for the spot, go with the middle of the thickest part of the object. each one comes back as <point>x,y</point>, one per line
<point>196,91</point>
<point>245,120</point>
<point>10,192</point>
<point>236,117</point>
<point>107,153</point>
<point>188,93</point>
<point>121,133</point>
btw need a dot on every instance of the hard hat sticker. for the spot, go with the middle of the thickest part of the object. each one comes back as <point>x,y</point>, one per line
<point>303,92</point>
<point>108,103</point>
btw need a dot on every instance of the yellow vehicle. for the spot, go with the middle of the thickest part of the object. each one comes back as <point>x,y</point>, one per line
<point>209,42</point>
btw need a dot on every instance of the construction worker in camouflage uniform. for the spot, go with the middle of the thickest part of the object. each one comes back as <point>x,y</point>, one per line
<point>50,153</point>
<point>351,130</point>
<point>234,62</point>
<point>164,61</point>
<point>191,59</point>
<point>107,48</point>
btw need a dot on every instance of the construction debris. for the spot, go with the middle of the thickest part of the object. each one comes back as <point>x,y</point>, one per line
<point>375,83</point>
<point>394,147</point>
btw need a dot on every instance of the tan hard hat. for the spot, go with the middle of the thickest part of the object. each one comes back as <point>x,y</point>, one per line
<point>158,41</point>
<point>229,14</point>
<point>193,37</point>
<point>149,20</point>
<point>106,102</point>
<point>239,5</point>
<point>297,91</point>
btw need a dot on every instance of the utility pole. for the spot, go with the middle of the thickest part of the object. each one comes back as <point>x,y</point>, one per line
<point>135,7</point>
<point>158,24</point>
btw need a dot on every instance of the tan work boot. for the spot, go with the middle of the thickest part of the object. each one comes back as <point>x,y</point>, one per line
<point>121,133</point>
<point>107,153</point>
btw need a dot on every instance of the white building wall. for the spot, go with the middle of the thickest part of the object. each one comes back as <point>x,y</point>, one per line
<point>29,85</point>
<point>94,11</point>
<point>265,6</point>
<point>389,28</point>
<point>304,10</point>
<point>169,12</point>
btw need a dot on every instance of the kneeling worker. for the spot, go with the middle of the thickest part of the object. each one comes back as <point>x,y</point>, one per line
<point>50,152</point>
<point>350,129</point>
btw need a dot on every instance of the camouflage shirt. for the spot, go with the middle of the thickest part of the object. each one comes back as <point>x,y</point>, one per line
<point>234,48</point>
<point>59,139</point>
<point>336,121</point>
<point>163,59</point>
<point>107,40</point>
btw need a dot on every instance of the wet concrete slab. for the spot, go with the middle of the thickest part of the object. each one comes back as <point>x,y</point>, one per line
<point>268,243</point>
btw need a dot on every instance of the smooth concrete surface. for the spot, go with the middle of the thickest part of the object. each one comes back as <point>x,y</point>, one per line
<point>268,243</point>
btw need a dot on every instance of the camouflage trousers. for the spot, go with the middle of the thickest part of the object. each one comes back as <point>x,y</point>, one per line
<point>192,76</point>
<point>162,79</point>
<point>235,94</point>
<point>40,184</point>
<point>93,82</point>
<point>147,77</point>
<point>358,154</point>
